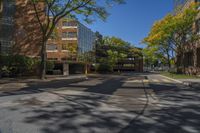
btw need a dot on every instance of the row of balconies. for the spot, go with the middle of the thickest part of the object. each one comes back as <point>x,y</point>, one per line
<point>69,27</point>
<point>64,39</point>
<point>53,47</point>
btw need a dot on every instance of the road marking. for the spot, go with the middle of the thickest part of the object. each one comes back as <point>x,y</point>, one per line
<point>137,81</point>
<point>171,79</point>
<point>134,81</point>
<point>146,81</point>
<point>161,81</point>
<point>155,80</point>
<point>166,80</point>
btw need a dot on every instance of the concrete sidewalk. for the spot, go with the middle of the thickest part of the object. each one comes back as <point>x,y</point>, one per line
<point>188,82</point>
<point>48,78</point>
<point>191,82</point>
<point>15,84</point>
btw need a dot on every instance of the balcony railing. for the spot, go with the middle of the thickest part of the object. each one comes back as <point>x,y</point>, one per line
<point>69,38</point>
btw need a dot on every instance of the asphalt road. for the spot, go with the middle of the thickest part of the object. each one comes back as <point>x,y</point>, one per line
<point>129,103</point>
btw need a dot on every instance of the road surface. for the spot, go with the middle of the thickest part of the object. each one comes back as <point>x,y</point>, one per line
<point>129,103</point>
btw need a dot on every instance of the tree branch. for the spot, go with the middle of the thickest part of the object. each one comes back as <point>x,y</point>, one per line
<point>38,18</point>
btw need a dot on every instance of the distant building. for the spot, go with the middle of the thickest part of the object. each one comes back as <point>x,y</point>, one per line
<point>70,40</point>
<point>192,54</point>
<point>132,63</point>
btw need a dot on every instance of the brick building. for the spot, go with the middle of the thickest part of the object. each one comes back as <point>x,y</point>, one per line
<point>192,54</point>
<point>19,31</point>
<point>69,41</point>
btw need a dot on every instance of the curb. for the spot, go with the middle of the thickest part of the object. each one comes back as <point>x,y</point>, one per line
<point>178,81</point>
<point>66,77</point>
<point>186,83</point>
<point>67,80</point>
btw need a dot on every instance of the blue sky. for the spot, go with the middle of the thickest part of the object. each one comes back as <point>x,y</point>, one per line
<point>133,20</point>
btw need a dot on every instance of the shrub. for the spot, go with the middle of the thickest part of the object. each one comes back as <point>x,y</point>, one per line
<point>104,68</point>
<point>15,65</point>
<point>5,71</point>
<point>50,65</point>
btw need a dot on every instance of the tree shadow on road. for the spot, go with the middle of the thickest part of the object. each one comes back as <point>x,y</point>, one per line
<point>88,110</point>
<point>105,85</point>
<point>179,112</point>
<point>85,111</point>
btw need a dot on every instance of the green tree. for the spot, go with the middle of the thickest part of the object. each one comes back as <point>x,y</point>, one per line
<point>117,49</point>
<point>113,50</point>
<point>99,39</point>
<point>58,9</point>
<point>173,33</point>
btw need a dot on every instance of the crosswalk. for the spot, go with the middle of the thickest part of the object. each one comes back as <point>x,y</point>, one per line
<point>160,81</point>
<point>151,81</point>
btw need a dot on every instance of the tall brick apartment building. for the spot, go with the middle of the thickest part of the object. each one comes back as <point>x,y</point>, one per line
<point>19,31</point>
<point>71,39</point>
<point>192,55</point>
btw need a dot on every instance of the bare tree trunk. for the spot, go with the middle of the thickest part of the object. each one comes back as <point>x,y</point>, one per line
<point>179,62</point>
<point>168,60</point>
<point>43,61</point>
<point>195,59</point>
<point>183,63</point>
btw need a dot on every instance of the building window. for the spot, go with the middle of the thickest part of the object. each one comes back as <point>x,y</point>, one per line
<point>72,34</point>
<point>69,46</point>
<point>64,47</point>
<point>64,35</point>
<point>69,34</point>
<point>69,23</point>
<point>51,47</point>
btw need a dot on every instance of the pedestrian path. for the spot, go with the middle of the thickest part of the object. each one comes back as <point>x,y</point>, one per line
<point>161,81</point>
<point>151,80</point>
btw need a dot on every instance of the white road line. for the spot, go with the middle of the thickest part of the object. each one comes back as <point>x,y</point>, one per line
<point>134,81</point>
<point>171,79</point>
<point>137,81</point>
<point>166,80</point>
<point>146,81</point>
<point>155,80</point>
